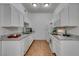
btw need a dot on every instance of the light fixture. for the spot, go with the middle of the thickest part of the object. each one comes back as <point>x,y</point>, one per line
<point>34,4</point>
<point>46,5</point>
<point>40,4</point>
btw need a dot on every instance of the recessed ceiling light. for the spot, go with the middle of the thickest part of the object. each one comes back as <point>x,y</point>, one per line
<point>34,4</point>
<point>46,5</point>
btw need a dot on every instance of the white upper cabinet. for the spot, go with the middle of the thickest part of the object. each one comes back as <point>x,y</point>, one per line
<point>56,20</point>
<point>68,16</point>
<point>6,15</point>
<point>74,14</point>
<point>64,20</point>
<point>27,20</point>
<point>18,17</point>
<point>15,17</point>
<point>21,20</point>
<point>10,16</point>
<point>57,23</point>
<point>1,15</point>
<point>19,7</point>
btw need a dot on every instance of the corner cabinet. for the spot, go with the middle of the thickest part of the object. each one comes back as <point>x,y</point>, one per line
<point>10,16</point>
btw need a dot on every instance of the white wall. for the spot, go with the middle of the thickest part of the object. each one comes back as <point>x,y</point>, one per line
<point>40,22</point>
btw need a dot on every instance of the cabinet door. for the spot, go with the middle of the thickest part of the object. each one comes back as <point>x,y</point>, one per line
<point>21,21</point>
<point>11,48</point>
<point>22,44</point>
<point>57,46</point>
<point>54,45</point>
<point>1,9</point>
<point>15,17</point>
<point>51,43</point>
<point>74,14</point>
<point>6,19</point>
<point>57,18</point>
<point>29,41</point>
<point>27,20</point>
<point>25,44</point>
<point>0,48</point>
<point>57,23</point>
<point>64,16</point>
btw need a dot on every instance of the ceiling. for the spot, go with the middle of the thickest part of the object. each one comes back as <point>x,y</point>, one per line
<point>49,9</point>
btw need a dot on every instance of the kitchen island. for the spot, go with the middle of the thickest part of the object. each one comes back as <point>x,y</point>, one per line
<point>65,46</point>
<point>16,46</point>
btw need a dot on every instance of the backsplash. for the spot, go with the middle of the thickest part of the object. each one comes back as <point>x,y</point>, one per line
<point>61,31</point>
<point>71,31</point>
<point>5,31</point>
<point>1,31</point>
<point>74,31</point>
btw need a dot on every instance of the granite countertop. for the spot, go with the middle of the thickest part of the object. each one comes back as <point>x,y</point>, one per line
<point>71,38</point>
<point>4,38</point>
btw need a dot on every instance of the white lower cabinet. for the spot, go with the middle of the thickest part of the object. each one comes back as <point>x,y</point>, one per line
<point>0,48</point>
<point>69,48</point>
<point>28,42</point>
<point>16,48</point>
<point>55,45</point>
<point>11,48</point>
<point>65,47</point>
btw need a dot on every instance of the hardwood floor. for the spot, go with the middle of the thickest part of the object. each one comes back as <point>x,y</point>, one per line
<point>39,48</point>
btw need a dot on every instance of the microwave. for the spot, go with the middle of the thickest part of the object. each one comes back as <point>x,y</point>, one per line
<point>27,30</point>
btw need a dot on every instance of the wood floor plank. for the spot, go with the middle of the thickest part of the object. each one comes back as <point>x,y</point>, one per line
<point>39,48</point>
